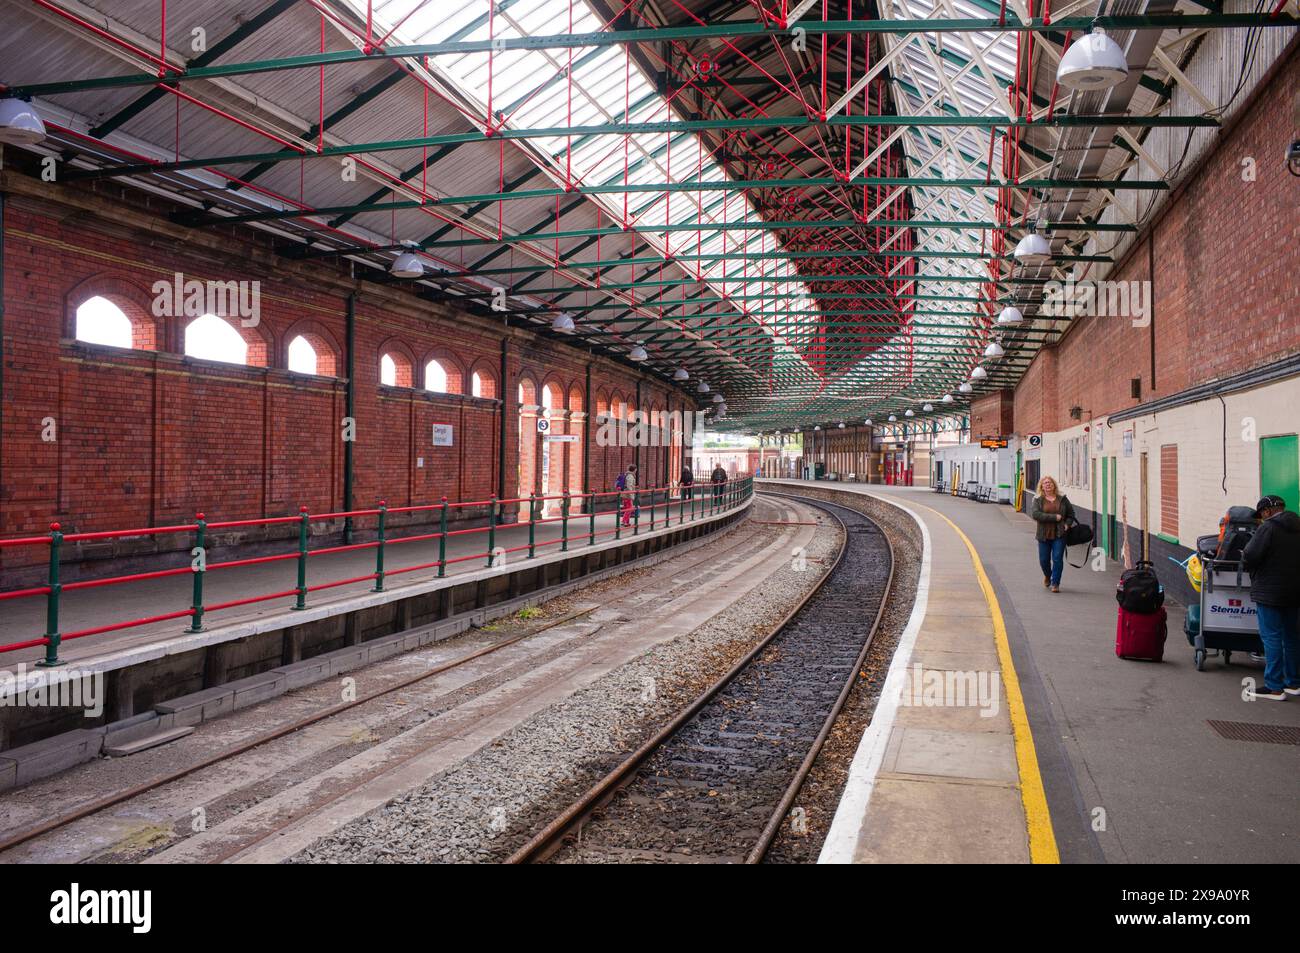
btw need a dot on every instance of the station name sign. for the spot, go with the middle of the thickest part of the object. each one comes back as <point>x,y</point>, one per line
<point>994,443</point>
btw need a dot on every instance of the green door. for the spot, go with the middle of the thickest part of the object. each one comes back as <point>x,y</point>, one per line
<point>1279,468</point>
<point>1105,506</point>
<point>1116,528</point>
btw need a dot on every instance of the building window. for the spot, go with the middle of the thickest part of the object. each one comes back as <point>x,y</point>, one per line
<point>1169,490</point>
<point>302,356</point>
<point>483,385</point>
<point>435,377</point>
<point>395,369</point>
<point>210,338</point>
<point>100,320</point>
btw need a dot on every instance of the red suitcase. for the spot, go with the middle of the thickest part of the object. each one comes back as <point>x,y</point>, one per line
<point>1141,635</point>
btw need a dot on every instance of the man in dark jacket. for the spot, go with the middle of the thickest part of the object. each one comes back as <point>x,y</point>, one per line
<point>1272,557</point>
<point>687,482</point>
<point>719,478</point>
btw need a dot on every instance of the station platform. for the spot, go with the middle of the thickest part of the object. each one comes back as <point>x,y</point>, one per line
<point>1088,758</point>
<point>466,560</point>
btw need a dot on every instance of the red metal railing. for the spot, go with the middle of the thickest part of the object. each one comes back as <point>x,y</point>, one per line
<point>705,500</point>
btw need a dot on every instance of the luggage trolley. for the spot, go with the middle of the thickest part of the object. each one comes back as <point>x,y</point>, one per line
<point>1225,620</point>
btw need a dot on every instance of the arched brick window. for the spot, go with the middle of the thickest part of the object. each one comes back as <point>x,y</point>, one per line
<point>309,354</point>
<point>483,383</point>
<point>211,338</point>
<point>396,366</point>
<point>442,376</point>
<point>311,349</point>
<point>115,321</point>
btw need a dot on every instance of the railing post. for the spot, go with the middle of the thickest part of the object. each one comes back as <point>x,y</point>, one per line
<point>198,567</point>
<point>681,504</point>
<point>52,602</point>
<point>492,531</point>
<point>564,522</point>
<point>591,520</point>
<point>442,539</point>
<point>636,512</point>
<point>618,516</point>
<point>532,525</point>
<point>652,508</point>
<point>303,520</point>
<point>379,550</point>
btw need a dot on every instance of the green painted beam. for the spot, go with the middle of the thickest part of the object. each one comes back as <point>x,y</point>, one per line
<point>1013,24</point>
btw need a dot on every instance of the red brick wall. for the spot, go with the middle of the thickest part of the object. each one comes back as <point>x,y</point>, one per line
<point>993,414</point>
<point>1226,282</point>
<point>152,437</point>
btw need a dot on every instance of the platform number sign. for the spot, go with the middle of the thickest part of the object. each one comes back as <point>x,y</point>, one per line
<point>1035,441</point>
<point>543,425</point>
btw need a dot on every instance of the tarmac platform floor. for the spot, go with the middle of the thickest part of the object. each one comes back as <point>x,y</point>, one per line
<point>1088,758</point>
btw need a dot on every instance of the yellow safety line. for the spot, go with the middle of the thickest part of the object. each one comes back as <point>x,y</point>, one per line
<point>1038,819</point>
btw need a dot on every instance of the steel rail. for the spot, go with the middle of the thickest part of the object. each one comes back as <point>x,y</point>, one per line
<point>549,840</point>
<point>94,807</point>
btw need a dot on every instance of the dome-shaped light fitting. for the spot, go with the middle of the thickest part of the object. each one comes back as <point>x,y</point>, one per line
<point>563,324</point>
<point>681,374</point>
<point>928,407</point>
<point>1094,62</point>
<point>1033,249</point>
<point>638,353</point>
<point>1010,317</point>
<point>910,413</point>
<point>407,265</point>
<point>994,350</point>
<point>867,421</point>
<point>841,425</point>
<point>892,418</point>
<point>717,398</point>
<point>818,427</point>
<point>978,374</point>
<point>947,399</point>
<point>965,388</point>
<point>703,388</point>
<point>20,123</point>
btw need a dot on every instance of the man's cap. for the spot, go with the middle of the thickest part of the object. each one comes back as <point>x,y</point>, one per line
<point>1268,503</point>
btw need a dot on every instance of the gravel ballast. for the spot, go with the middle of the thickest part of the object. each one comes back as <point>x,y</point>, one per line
<point>492,802</point>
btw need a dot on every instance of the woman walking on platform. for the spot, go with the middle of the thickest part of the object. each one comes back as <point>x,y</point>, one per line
<point>1053,513</point>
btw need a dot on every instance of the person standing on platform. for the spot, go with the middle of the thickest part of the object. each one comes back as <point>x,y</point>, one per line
<point>687,482</point>
<point>1053,513</point>
<point>1272,557</point>
<point>629,504</point>
<point>719,478</point>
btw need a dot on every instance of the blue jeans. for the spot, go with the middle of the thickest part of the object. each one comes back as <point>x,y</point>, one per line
<point>1279,630</point>
<point>1051,556</point>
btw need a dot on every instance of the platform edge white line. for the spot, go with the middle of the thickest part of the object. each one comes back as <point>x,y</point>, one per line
<point>842,839</point>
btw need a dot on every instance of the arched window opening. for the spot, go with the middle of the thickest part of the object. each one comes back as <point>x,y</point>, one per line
<point>548,399</point>
<point>395,370</point>
<point>435,378</point>
<point>302,356</point>
<point>483,385</point>
<point>210,338</point>
<point>102,321</point>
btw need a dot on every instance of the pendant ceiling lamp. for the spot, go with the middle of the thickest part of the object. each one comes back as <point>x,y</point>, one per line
<point>1094,62</point>
<point>1010,317</point>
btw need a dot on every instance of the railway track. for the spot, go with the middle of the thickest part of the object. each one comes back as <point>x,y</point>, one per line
<point>673,578</point>
<point>716,783</point>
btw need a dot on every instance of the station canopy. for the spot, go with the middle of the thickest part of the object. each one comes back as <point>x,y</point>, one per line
<point>809,207</point>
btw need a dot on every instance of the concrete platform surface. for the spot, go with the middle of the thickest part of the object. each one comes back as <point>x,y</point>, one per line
<point>24,619</point>
<point>1131,768</point>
